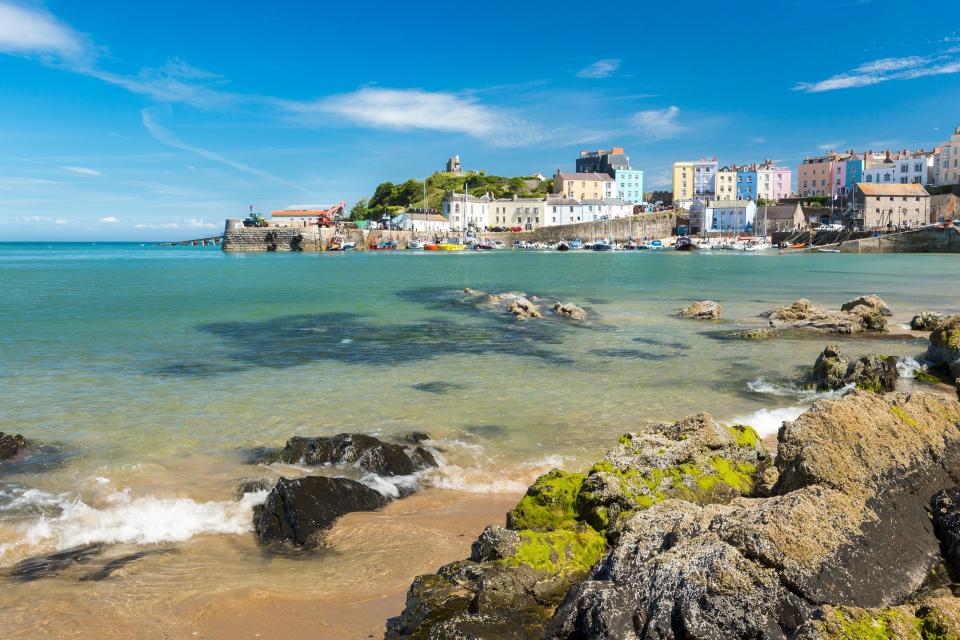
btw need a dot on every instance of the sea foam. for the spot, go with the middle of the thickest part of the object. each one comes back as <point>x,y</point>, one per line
<point>768,421</point>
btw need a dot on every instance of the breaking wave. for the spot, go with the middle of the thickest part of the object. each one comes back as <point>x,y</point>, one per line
<point>767,422</point>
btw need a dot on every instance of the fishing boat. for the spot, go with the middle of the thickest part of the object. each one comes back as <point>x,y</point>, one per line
<point>603,244</point>
<point>415,244</point>
<point>654,244</point>
<point>576,245</point>
<point>684,243</point>
<point>431,246</point>
<point>486,246</point>
<point>563,246</point>
<point>452,245</point>
<point>385,245</point>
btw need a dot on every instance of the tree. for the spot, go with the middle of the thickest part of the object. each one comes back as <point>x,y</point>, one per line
<point>383,194</point>
<point>359,211</point>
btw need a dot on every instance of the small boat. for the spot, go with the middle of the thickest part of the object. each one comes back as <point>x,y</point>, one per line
<point>602,245</point>
<point>828,250</point>
<point>655,244</point>
<point>631,246</point>
<point>486,246</point>
<point>797,245</point>
<point>431,246</point>
<point>576,245</point>
<point>684,243</point>
<point>415,244</point>
<point>563,246</point>
<point>388,245</point>
<point>452,245</point>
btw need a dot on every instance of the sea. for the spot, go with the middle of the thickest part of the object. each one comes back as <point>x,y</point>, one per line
<point>151,374</point>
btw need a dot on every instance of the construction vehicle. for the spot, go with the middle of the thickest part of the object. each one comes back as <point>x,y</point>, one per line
<point>254,219</point>
<point>328,217</point>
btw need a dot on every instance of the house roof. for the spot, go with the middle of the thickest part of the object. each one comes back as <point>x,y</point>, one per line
<point>783,212</point>
<point>312,213</point>
<point>584,176</point>
<point>730,204</point>
<point>428,217</point>
<point>879,189</point>
<point>561,200</point>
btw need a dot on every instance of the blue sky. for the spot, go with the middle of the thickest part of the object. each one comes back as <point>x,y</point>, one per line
<point>144,120</point>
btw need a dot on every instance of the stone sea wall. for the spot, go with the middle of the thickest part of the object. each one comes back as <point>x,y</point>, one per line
<point>923,241</point>
<point>237,238</point>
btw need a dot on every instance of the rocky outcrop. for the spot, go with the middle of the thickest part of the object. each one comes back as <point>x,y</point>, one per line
<point>569,310</point>
<point>702,310</point>
<point>12,444</point>
<point>865,314</point>
<point>944,349</point>
<point>945,512</point>
<point>363,451</point>
<point>560,528</point>
<point>706,539</point>
<point>871,372</point>
<point>926,321</point>
<point>844,527</point>
<point>300,511</point>
<point>760,333</point>
<point>523,309</point>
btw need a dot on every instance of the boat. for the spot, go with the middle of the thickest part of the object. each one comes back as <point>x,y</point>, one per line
<point>563,246</point>
<point>684,243</point>
<point>486,246</point>
<point>828,250</point>
<point>602,245</point>
<point>388,245</point>
<point>452,245</point>
<point>415,244</point>
<point>654,244</point>
<point>576,245</point>
<point>431,246</point>
<point>797,245</point>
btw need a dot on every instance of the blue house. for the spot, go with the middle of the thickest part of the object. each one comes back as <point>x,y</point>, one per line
<point>747,183</point>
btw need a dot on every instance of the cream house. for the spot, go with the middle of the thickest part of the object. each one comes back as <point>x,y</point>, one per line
<point>584,186</point>
<point>890,205</point>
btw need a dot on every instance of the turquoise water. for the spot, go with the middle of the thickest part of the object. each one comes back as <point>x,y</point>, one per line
<point>155,369</point>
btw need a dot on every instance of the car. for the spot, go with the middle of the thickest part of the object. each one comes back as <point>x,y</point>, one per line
<point>830,227</point>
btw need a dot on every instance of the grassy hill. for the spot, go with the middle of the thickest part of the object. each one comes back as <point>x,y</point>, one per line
<point>391,198</point>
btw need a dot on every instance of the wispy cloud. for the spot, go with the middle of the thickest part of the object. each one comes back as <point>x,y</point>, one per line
<point>109,220</point>
<point>657,124</point>
<point>166,225</point>
<point>160,134</point>
<point>175,82</point>
<point>416,109</point>
<point>201,224</point>
<point>829,146</point>
<point>34,32</point>
<point>885,70</point>
<point>600,69</point>
<point>83,171</point>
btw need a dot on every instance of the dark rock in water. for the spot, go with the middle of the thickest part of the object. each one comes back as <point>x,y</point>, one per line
<point>50,565</point>
<point>437,386</point>
<point>301,510</point>
<point>487,430</point>
<point>871,372</point>
<point>523,309</point>
<point>926,321</point>
<point>366,452</point>
<point>702,310</point>
<point>871,301</point>
<point>11,445</point>
<point>107,570</point>
<point>945,508</point>
<point>414,437</point>
<point>253,485</point>
<point>944,347</point>
<point>632,353</point>
<point>569,310</point>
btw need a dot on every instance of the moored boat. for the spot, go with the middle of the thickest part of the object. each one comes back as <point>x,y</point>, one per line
<point>431,246</point>
<point>388,245</point>
<point>486,246</point>
<point>684,243</point>
<point>415,244</point>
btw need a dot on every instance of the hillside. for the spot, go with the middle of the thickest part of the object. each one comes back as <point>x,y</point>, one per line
<point>390,198</point>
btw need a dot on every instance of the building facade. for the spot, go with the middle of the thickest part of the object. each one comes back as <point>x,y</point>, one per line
<point>747,183</point>
<point>705,179</point>
<point>629,185</point>
<point>466,211</point>
<point>734,216</point>
<point>423,222</point>
<point>726,182</point>
<point>682,184</point>
<point>823,175</point>
<point>903,168</point>
<point>584,186</point>
<point>773,182</point>
<point>948,169</point>
<point>884,206</point>
<point>600,161</point>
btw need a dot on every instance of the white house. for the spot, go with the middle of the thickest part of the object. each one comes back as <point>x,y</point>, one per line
<point>562,210</point>
<point>422,222</point>
<point>730,215</point>
<point>606,209</point>
<point>466,211</point>
<point>903,168</point>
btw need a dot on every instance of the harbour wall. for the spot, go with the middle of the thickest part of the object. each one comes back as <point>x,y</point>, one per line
<point>930,240</point>
<point>239,239</point>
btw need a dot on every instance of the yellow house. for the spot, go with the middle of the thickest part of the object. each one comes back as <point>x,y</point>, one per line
<point>682,181</point>
<point>584,186</point>
<point>727,183</point>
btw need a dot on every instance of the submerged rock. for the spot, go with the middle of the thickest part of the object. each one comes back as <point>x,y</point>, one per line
<point>366,452</point>
<point>926,321</point>
<point>12,444</point>
<point>301,510</point>
<point>569,310</point>
<point>871,372</point>
<point>868,315</point>
<point>760,333</point>
<point>944,347</point>
<point>703,310</point>
<point>523,309</point>
<point>49,565</point>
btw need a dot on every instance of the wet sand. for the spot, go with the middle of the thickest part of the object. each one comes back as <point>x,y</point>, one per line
<point>347,591</point>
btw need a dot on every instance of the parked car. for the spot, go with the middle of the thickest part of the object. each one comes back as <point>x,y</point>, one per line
<point>830,227</point>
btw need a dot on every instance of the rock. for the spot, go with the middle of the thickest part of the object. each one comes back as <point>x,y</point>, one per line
<point>49,565</point>
<point>703,310</point>
<point>945,510</point>
<point>570,310</point>
<point>871,372</point>
<point>944,347</point>
<point>871,301</point>
<point>523,309</point>
<point>926,321</point>
<point>467,291</point>
<point>301,510</point>
<point>252,485</point>
<point>844,527</point>
<point>365,452</point>
<point>803,314</point>
<point>495,543</point>
<point>11,445</point>
<point>761,333</point>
